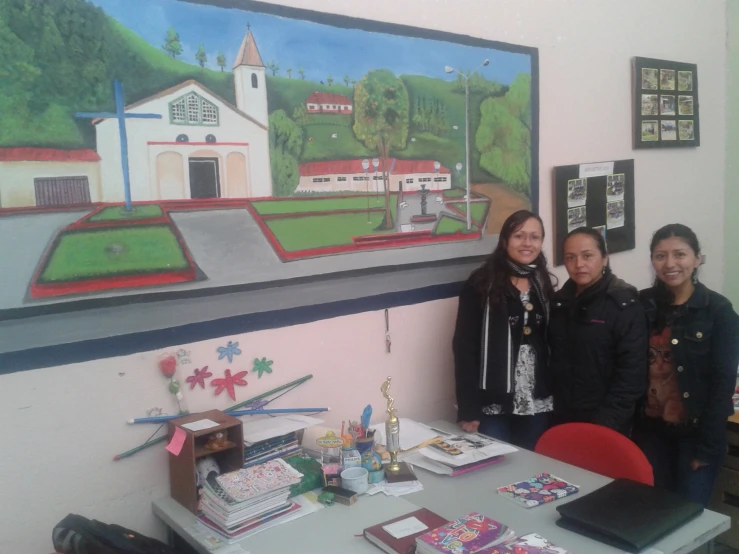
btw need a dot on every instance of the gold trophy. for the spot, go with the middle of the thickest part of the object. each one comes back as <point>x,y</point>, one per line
<point>392,434</point>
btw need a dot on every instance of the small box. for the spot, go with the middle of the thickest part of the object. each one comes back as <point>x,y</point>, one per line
<point>342,496</point>
<point>351,458</point>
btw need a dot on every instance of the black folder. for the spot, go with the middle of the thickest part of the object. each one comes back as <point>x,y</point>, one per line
<point>627,514</point>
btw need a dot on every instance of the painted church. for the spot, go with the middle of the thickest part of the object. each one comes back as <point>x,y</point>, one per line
<point>202,147</point>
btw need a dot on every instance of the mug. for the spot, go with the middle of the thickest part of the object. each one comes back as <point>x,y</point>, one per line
<point>355,479</point>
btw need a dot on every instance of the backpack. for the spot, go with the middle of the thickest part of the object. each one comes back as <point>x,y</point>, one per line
<point>79,535</point>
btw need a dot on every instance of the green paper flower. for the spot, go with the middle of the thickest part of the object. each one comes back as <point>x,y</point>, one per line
<point>262,366</point>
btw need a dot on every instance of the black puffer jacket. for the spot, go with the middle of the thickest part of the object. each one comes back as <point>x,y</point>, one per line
<point>598,358</point>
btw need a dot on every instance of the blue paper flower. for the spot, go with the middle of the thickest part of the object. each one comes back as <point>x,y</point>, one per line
<point>229,351</point>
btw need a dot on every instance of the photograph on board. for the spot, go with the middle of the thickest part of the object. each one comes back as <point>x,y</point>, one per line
<point>615,185</point>
<point>602,230</point>
<point>667,104</point>
<point>577,192</point>
<point>615,214</point>
<point>649,79</point>
<point>576,218</point>
<point>686,129</point>
<point>649,130</point>
<point>649,104</point>
<point>685,104</point>
<point>669,129</point>
<point>667,79</point>
<point>684,80</point>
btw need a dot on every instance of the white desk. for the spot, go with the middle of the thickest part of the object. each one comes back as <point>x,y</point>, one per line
<point>332,530</point>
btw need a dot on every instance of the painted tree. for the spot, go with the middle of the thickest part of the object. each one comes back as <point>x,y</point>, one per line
<point>301,71</point>
<point>381,121</point>
<point>504,135</point>
<point>285,148</point>
<point>273,67</point>
<point>172,44</point>
<point>347,80</point>
<point>201,56</point>
<point>354,82</point>
<point>289,72</point>
<point>330,80</point>
<point>221,60</point>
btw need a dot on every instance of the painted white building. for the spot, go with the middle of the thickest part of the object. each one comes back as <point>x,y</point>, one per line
<point>202,147</point>
<point>48,177</point>
<point>326,102</point>
<point>349,175</point>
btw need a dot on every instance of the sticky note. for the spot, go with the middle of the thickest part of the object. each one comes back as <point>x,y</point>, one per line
<point>200,425</point>
<point>405,527</point>
<point>178,440</point>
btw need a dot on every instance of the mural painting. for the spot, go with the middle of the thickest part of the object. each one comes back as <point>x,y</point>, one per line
<point>148,147</point>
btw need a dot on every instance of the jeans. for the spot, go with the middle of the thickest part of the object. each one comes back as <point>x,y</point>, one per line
<point>670,458</point>
<point>518,430</point>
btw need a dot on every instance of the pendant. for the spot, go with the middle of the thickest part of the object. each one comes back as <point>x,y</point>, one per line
<point>529,306</point>
<point>527,330</point>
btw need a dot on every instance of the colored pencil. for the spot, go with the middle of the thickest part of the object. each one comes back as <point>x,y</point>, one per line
<point>139,448</point>
<point>235,413</point>
<point>269,392</point>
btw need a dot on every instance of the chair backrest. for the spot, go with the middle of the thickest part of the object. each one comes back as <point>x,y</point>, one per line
<point>597,449</point>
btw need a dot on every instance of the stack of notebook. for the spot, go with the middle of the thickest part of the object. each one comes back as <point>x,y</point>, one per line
<point>283,446</point>
<point>239,504</point>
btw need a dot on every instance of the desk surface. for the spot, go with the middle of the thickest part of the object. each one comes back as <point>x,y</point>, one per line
<point>332,530</point>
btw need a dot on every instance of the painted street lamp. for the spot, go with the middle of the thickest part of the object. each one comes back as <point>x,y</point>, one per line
<point>449,69</point>
<point>376,164</point>
<point>365,166</point>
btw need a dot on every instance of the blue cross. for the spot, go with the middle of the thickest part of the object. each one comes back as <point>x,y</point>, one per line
<point>121,115</point>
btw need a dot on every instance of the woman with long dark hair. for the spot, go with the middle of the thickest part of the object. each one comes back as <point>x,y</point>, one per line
<point>598,339</point>
<point>499,344</point>
<point>693,358</point>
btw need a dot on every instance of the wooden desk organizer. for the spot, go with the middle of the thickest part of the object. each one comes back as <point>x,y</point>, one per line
<point>182,471</point>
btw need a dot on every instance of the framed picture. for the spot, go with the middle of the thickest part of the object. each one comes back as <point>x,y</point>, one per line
<point>665,104</point>
<point>599,196</point>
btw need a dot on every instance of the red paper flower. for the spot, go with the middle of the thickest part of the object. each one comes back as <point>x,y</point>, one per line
<point>199,378</point>
<point>228,383</point>
<point>168,365</point>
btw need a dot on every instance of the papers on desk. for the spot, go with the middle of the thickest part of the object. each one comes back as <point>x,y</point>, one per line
<point>412,434</point>
<point>256,430</point>
<point>395,489</point>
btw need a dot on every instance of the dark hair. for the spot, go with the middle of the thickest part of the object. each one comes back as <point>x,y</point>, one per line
<point>597,236</point>
<point>492,279</point>
<point>663,296</point>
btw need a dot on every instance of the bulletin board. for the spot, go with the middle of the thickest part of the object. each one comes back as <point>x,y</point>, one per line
<point>597,195</point>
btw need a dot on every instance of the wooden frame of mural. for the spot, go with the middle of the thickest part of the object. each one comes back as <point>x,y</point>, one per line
<point>334,147</point>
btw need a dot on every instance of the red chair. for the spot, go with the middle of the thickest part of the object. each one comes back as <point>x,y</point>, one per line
<point>597,449</point>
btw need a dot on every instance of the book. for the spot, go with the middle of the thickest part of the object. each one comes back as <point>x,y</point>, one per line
<point>257,480</point>
<point>538,490</point>
<point>383,539</point>
<point>436,466</point>
<point>527,544</point>
<point>469,534</point>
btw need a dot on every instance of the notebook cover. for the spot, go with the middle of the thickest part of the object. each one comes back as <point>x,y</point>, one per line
<point>540,489</point>
<point>406,545</point>
<point>470,533</point>
<point>626,514</point>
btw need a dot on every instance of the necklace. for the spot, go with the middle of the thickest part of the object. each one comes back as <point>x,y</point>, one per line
<point>653,390</point>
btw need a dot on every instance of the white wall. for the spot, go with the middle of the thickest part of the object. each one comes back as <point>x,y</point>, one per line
<point>63,425</point>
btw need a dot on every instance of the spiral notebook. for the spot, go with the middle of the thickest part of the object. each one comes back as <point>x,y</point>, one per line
<point>539,489</point>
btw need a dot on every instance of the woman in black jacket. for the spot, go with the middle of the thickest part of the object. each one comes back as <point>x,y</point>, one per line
<point>500,351</point>
<point>598,339</point>
<point>693,358</point>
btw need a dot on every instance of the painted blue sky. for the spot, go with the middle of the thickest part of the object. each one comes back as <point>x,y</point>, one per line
<point>321,50</point>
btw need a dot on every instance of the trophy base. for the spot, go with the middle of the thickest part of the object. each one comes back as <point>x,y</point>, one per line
<point>403,473</point>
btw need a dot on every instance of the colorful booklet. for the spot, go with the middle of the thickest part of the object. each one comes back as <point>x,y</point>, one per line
<point>540,489</point>
<point>466,535</point>
<point>528,544</point>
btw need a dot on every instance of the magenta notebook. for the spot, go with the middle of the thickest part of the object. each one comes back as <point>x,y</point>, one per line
<point>467,534</point>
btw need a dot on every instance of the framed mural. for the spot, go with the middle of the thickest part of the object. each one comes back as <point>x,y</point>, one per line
<point>596,195</point>
<point>160,150</point>
<point>665,104</point>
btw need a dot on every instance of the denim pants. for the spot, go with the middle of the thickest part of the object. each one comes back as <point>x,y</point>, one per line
<point>670,458</point>
<point>518,430</point>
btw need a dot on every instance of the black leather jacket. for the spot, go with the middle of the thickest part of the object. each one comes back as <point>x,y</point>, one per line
<point>705,347</point>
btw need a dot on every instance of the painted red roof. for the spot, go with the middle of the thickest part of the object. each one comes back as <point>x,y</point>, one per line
<point>47,155</point>
<point>349,167</point>
<point>328,98</point>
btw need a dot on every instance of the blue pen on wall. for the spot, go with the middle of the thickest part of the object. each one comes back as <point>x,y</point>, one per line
<point>236,413</point>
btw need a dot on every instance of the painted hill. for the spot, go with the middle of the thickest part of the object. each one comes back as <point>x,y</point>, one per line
<point>57,58</point>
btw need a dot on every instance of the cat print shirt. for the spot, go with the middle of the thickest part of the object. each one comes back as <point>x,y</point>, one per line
<point>663,395</point>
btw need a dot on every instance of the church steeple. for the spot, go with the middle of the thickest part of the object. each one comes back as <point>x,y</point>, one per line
<point>250,80</point>
<point>248,52</point>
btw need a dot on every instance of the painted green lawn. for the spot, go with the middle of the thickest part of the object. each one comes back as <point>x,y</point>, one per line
<point>288,94</point>
<point>323,147</point>
<point>303,233</point>
<point>117,251</point>
<point>307,205</point>
<point>113,213</point>
<point>454,193</point>
<point>450,226</point>
<point>479,209</point>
